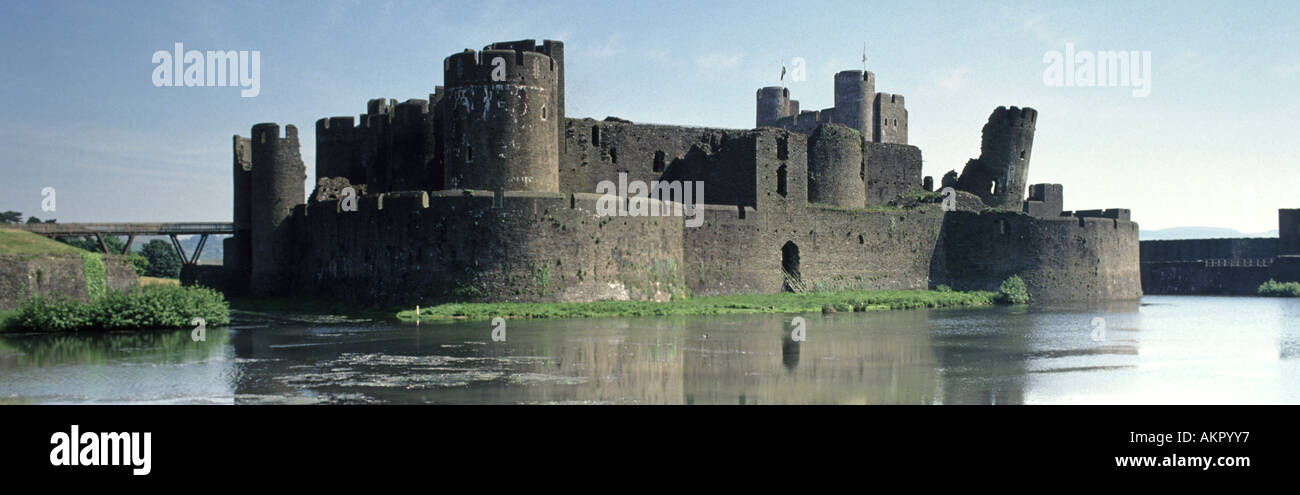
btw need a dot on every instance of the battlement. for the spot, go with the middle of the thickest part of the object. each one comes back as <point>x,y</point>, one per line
<point>1014,116</point>
<point>1117,213</point>
<point>411,111</point>
<point>270,132</point>
<point>380,106</point>
<point>520,67</point>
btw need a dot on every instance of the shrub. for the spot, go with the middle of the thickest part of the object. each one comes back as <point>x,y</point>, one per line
<point>139,263</point>
<point>52,314</point>
<point>1274,288</point>
<point>1013,291</point>
<point>150,306</point>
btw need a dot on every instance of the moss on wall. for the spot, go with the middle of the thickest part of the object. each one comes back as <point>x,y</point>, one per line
<point>93,264</point>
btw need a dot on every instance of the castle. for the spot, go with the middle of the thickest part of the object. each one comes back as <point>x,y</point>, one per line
<point>486,191</point>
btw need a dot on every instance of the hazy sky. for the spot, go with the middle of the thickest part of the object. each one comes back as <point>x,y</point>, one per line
<point>1213,144</point>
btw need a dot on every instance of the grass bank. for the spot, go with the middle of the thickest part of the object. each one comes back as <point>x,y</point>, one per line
<point>711,305</point>
<point>22,242</point>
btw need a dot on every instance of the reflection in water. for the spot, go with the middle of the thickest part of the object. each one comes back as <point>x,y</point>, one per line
<point>162,366</point>
<point>1168,350</point>
<point>789,352</point>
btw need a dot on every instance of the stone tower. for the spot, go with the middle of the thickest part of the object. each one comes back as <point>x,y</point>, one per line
<point>1001,173</point>
<point>835,174</point>
<point>890,124</point>
<point>854,92</point>
<point>276,188</point>
<point>504,109</point>
<point>773,104</point>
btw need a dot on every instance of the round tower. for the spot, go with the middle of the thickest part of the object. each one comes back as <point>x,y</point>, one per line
<point>835,173</point>
<point>1008,139</point>
<point>502,121</point>
<point>854,94</point>
<point>773,103</point>
<point>277,186</point>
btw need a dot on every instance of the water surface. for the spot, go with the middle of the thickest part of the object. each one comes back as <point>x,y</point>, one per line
<point>1167,349</point>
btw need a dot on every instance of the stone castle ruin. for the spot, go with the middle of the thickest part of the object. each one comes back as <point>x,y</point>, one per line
<point>487,191</point>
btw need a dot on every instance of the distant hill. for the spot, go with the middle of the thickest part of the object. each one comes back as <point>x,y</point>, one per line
<point>1193,233</point>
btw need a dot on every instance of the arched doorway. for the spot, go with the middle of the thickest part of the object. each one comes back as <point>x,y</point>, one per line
<point>790,268</point>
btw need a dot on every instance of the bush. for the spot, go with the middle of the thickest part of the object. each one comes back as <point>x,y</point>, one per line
<point>1013,291</point>
<point>150,306</point>
<point>1273,288</point>
<point>52,314</point>
<point>139,263</point>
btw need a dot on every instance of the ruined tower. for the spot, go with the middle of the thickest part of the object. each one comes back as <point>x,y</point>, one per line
<point>276,187</point>
<point>504,107</point>
<point>854,92</point>
<point>1001,173</point>
<point>835,173</point>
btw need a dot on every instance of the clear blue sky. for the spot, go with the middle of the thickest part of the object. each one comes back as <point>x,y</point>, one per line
<point>1214,144</point>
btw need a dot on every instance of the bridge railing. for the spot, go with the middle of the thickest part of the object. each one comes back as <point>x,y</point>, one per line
<point>74,229</point>
<point>1238,262</point>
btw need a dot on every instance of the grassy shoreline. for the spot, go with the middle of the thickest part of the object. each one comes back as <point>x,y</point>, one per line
<point>711,305</point>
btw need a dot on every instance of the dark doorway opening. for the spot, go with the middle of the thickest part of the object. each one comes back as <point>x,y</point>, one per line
<point>790,268</point>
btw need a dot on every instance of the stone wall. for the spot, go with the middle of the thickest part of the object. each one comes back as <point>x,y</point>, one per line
<point>1060,259</point>
<point>412,248</point>
<point>57,276</point>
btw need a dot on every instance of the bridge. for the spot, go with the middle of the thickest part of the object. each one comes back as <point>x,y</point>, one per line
<point>130,230</point>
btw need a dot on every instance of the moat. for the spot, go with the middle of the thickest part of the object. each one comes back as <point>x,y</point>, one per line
<point>1167,349</point>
